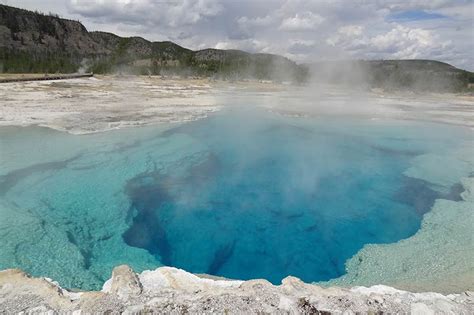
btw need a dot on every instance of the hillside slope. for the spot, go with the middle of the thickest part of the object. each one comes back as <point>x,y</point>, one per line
<point>419,75</point>
<point>35,42</point>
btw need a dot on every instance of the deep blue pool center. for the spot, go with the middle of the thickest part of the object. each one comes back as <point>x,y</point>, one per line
<point>273,198</point>
<point>242,194</point>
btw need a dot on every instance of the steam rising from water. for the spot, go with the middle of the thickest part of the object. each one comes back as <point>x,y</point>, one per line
<point>245,193</point>
<point>277,197</point>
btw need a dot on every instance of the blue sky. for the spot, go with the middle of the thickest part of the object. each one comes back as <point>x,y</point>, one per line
<point>303,30</point>
<point>415,15</point>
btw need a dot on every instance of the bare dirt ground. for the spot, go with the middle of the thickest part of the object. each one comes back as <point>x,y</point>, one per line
<point>97,104</point>
<point>110,102</point>
<point>103,103</point>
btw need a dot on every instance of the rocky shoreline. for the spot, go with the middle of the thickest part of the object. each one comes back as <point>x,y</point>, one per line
<point>440,254</point>
<point>174,291</point>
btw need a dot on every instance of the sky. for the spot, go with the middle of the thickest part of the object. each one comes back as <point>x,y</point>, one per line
<point>302,30</point>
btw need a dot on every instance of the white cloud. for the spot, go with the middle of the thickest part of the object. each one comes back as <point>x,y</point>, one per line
<point>400,43</point>
<point>258,21</point>
<point>405,43</point>
<point>414,4</point>
<point>351,30</point>
<point>147,12</point>
<point>250,45</point>
<point>400,37</point>
<point>301,46</point>
<point>345,33</point>
<point>345,29</point>
<point>305,21</point>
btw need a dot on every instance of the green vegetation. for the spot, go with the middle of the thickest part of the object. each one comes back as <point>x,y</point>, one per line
<point>23,62</point>
<point>36,42</point>
<point>170,59</point>
<point>46,23</point>
<point>418,75</point>
<point>414,75</point>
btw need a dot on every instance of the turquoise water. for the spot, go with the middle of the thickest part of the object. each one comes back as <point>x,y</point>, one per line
<point>242,194</point>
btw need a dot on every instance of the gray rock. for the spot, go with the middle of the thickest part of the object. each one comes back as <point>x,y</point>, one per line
<point>174,291</point>
<point>124,282</point>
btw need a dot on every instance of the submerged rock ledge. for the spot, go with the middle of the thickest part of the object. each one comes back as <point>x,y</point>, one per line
<point>171,290</point>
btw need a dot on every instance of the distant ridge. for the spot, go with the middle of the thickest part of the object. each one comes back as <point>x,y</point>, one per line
<point>414,74</point>
<point>32,42</point>
<point>35,42</point>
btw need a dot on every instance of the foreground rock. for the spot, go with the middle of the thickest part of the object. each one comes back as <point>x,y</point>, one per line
<point>171,290</point>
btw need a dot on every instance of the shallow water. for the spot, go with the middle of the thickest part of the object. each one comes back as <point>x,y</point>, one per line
<point>242,194</point>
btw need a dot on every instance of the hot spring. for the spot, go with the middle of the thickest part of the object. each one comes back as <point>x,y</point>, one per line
<point>242,194</point>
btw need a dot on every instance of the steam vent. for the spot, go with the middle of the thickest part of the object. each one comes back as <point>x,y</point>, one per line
<point>335,177</point>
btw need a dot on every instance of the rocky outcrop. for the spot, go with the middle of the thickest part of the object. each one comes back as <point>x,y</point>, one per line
<point>171,290</point>
<point>27,31</point>
<point>36,42</point>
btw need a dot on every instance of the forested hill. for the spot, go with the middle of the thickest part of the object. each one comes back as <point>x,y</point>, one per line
<point>35,42</point>
<point>416,75</point>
